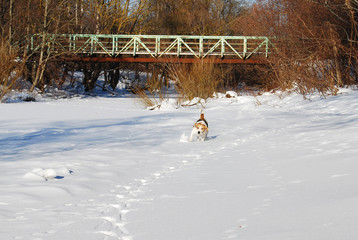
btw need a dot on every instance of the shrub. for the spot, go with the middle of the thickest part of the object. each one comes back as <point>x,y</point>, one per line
<point>10,69</point>
<point>197,80</point>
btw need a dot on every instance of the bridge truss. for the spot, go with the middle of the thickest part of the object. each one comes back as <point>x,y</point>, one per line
<point>153,48</point>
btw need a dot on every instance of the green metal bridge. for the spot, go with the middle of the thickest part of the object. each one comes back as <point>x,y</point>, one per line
<point>152,48</point>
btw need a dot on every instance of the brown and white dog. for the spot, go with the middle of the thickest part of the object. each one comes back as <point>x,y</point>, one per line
<point>200,129</point>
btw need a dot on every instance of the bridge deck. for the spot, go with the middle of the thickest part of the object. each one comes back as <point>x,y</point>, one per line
<point>153,48</point>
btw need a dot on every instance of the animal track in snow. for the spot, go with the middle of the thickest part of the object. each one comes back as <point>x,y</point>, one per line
<point>123,197</point>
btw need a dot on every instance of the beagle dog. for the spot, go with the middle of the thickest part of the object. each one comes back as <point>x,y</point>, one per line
<point>200,129</point>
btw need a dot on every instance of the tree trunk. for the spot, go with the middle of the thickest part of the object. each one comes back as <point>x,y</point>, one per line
<point>91,73</point>
<point>10,23</point>
<point>41,66</point>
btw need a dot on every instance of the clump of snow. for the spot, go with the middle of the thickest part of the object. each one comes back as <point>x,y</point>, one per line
<point>231,94</point>
<point>174,103</point>
<point>169,104</point>
<point>63,171</point>
<point>227,94</point>
<point>184,138</point>
<point>47,174</point>
<point>32,176</point>
<point>166,104</point>
<point>15,97</point>
<point>193,102</point>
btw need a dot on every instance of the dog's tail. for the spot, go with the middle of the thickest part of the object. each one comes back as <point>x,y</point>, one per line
<point>202,115</point>
<point>202,118</point>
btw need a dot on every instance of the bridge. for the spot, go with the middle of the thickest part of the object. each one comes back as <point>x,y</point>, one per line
<point>153,48</point>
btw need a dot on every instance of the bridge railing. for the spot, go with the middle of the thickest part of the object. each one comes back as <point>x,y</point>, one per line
<point>156,46</point>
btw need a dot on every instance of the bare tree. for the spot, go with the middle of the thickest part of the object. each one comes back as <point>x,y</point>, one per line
<point>199,17</point>
<point>315,40</point>
<point>116,16</point>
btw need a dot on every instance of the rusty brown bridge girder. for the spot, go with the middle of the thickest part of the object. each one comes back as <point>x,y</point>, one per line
<point>164,60</point>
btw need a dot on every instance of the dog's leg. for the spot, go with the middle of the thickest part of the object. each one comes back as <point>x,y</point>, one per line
<point>193,132</point>
<point>204,137</point>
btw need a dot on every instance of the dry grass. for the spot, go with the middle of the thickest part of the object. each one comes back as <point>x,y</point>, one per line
<point>144,97</point>
<point>197,80</point>
<point>10,69</point>
<point>155,91</point>
<point>305,75</point>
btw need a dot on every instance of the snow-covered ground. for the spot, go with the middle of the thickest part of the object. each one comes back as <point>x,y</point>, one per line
<point>106,168</point>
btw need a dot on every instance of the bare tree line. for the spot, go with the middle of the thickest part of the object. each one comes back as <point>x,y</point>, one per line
<point>315,40</point>
<point>22,17</point>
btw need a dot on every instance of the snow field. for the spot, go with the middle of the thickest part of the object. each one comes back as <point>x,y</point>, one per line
<point>273,168</point>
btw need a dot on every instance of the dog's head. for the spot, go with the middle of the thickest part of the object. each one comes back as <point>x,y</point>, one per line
<point>200,128</point>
